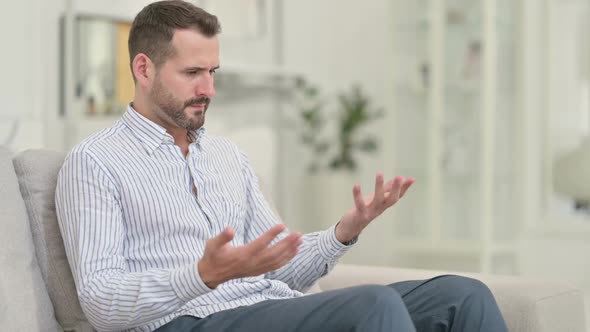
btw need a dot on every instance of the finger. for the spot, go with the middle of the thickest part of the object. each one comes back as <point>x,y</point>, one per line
<point>359,202</point>
<point>276,262</point>
<point>394,193</point>
<point>222,238</point>
<point>266,239</point>
<point>289,242</point>
<point>288,255</point>
<point>379,191</point>
<point>406,185</point>
<point>270,258</point>
<point>263,259</point>
<point>283,252</point>
<point>388,186</point>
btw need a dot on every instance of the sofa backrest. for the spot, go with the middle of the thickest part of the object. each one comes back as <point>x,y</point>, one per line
<point>24,300</point>
<point>35,244</point>
<point>37,172</point>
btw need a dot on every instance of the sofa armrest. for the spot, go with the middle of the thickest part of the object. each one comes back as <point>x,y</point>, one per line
<point>527,305</point>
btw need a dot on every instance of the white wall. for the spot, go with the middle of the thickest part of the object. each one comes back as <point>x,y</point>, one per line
<point>567,119</point>
<point>30,81</point>
<point>558,253</point>
<point>337,43</point>
<point>18,83</point>
<point>124,10</point>
<point>18,35</point>
<point>30,78</point>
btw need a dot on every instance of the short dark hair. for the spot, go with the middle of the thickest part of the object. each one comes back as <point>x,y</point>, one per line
<point>153,28</point>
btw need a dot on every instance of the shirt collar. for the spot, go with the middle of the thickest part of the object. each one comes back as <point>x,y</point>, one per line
<point>151,134</point>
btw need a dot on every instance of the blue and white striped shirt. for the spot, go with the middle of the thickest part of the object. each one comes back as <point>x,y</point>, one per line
<point>134,228</point>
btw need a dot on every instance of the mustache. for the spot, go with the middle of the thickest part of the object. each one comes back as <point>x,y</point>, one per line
<point>196,101</point>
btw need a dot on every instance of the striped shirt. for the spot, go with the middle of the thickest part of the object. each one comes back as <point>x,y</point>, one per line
<point>135,215</point>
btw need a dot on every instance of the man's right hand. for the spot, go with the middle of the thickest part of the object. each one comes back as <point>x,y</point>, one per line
<point>222,262</point>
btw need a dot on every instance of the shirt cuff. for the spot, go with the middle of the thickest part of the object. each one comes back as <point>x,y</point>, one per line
<point>329,246</point>
<point>187,283</point>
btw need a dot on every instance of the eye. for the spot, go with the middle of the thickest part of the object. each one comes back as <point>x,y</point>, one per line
<point>212,71</point>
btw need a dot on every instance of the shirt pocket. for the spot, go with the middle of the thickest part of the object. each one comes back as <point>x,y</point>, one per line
<point>227,205</point>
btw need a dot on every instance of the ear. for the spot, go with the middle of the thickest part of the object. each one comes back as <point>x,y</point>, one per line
<point>143,69</point>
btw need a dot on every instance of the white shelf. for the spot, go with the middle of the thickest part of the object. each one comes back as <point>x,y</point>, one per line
<point>463,169</point>
<point>258,70</point>
<point>563,226</point>
<point>451,247</point>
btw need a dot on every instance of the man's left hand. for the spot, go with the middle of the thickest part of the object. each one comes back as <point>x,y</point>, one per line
<point>365,210</point>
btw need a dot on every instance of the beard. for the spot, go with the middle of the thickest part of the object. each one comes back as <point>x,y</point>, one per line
<point>175,108</point>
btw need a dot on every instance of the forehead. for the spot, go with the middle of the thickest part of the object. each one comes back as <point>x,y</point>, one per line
<point>190,44</point>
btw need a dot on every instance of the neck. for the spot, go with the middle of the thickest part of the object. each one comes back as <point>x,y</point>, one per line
<point>180,135</point>
<point>182,141</point>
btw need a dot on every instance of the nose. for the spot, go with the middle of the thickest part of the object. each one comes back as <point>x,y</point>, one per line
<point>205,86</point>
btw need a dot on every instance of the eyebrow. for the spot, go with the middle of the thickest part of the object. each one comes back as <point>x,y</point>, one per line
<point>200,68</point>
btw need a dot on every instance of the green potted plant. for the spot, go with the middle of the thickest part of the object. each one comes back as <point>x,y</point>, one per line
<point>352,112</point>
<point>310,121</point>
<point>333,134</point>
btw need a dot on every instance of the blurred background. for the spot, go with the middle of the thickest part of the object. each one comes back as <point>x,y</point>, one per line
<point>486,103</point>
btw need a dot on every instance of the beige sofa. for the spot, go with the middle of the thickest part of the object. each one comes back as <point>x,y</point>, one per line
<point>37,290</point>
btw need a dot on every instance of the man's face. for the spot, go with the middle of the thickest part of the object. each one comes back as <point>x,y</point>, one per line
<point>183,85</point>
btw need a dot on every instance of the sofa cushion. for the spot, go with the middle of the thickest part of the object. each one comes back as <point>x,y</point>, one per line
<point>25,304</point>
<point>37,172</point>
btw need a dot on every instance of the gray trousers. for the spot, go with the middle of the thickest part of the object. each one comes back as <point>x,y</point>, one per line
<point>444,303</point>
